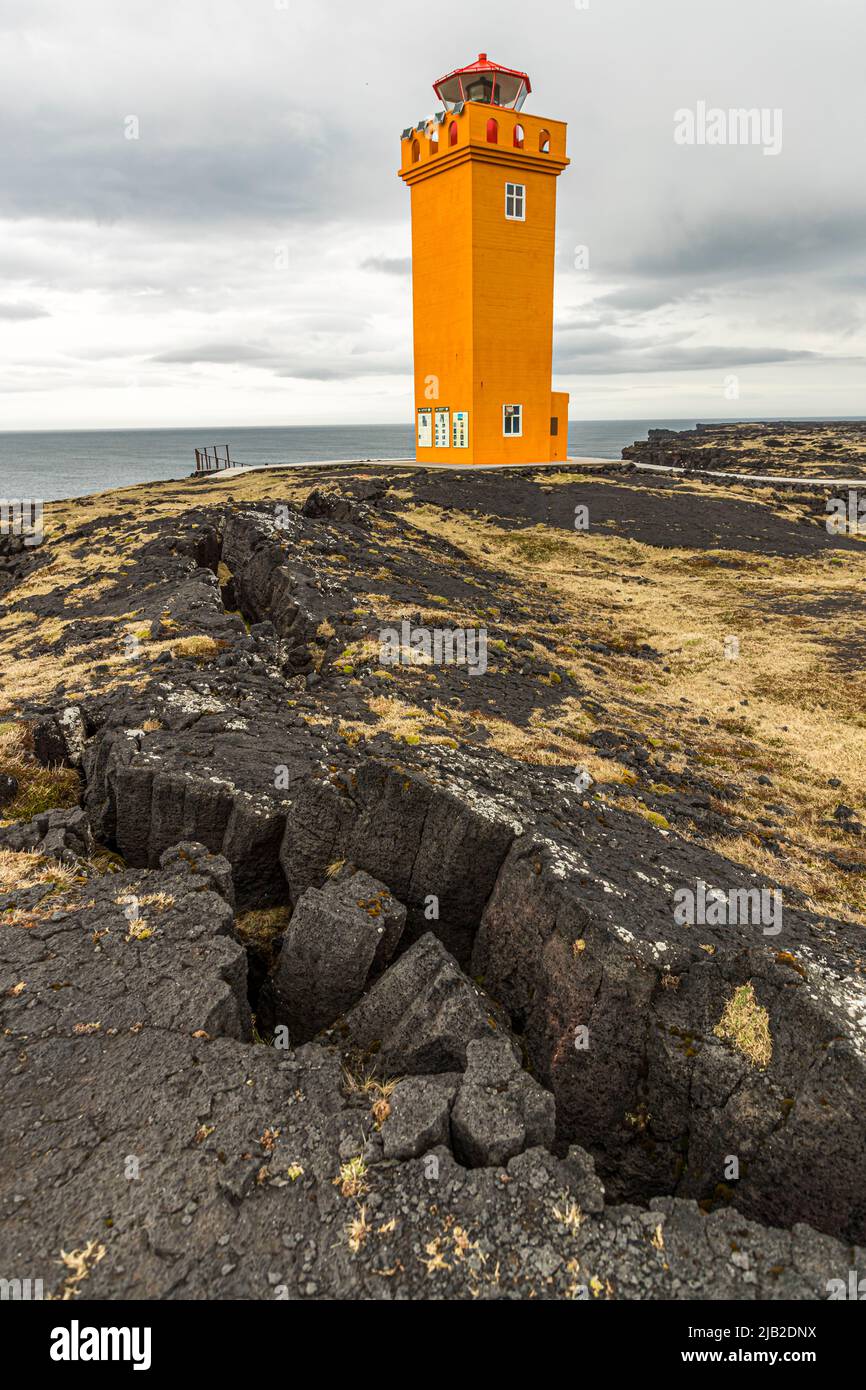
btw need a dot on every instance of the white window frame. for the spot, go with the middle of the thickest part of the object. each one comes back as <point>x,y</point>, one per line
<point>516,193</point>
<point>512,434</point>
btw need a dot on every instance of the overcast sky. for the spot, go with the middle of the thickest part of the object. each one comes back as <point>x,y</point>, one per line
<point>245,259</point>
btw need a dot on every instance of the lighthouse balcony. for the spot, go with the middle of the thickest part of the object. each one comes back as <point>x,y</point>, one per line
<point>448,133</point>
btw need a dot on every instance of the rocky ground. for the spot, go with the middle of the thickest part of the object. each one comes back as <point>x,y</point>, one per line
<point>806,449</point>
<point>327,977</point>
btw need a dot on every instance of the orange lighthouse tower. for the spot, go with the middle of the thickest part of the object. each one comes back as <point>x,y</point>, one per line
<point>483,180</point>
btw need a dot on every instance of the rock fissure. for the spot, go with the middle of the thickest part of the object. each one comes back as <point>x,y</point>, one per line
<point>554,914</point>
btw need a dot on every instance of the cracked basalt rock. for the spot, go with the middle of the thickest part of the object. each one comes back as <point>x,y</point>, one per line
<point>210,775</point>
<point>422,1014</point>
<point>267,588</point>
<point>333,505</point>
<point>620,1009</point>
<point>152,949</point>
<point>60,739</point>
<point>62,835</point>
<point>337,936</point>
<point>500,1110</point>
<point>212,867</point>
<point>125,1001</point>
<point>128,1090</point>
<point>419,1115</point>
<point>217,1163</point>
<point>425,842</point>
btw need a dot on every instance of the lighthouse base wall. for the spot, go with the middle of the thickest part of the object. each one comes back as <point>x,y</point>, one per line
<point>463,438</point>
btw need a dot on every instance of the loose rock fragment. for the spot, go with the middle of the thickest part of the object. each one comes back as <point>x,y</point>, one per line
<point>335,938</point>
<point>423,1012</point>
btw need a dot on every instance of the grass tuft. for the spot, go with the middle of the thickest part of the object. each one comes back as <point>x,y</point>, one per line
<point>747,1025</point>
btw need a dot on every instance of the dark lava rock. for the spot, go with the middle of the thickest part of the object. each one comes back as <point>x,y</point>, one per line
<point>336,935</point>
<point>621,1009</point>
<point>138,1114</point>
<point>212,867</point>
<point>419,1115</point>
<point>421,1015</point>
<point>134,950</point>
<point>423,841</point>
<point>64,835</point>
<point>331,504</point>
<point>8,788</point>
<point>138,1124</point>
<point>60,739</point>
<point>500,1110</point>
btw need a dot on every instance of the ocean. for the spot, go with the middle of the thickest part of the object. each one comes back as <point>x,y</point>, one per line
<point>72,463</point>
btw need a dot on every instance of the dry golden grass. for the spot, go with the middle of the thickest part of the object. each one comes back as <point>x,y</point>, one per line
<point>352,1178</point>
<point>82,568</point>
<point>199,648</point>
<point>783,707</point>
<point>24,870</point>
<point>746,1025</point>
<point>39,788</point>
<point>263,926</point>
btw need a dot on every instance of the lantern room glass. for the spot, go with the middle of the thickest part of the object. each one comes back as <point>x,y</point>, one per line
<point>489,86</point>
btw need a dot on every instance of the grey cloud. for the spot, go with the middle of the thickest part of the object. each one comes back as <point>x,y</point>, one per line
<point>100,176</point>
<point>333,365</point>
<point>745,243</point>
<point>388,265</point>
<point>670,359</point>
<point>22,311</point>
<point>221,353</point>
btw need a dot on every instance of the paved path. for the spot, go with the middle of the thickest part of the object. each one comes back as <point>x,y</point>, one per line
<point>407,463</point>
<point>593,461</point>
<point>746,477</point>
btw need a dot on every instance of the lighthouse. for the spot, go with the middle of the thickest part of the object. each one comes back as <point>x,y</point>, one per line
<point>482,176</point>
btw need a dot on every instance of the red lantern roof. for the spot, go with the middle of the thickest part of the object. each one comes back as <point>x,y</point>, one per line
<point>486,82</point>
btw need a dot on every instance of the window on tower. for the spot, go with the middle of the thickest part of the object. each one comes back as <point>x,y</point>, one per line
<point>492,131</point>
<point>416,151</point>
<point>452,133</point>
<point>518,137</point>
<point>544,141</point>
<point>512,420</point>
<point>515,202</point>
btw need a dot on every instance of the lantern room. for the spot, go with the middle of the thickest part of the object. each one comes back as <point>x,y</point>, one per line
<point>485,82</point>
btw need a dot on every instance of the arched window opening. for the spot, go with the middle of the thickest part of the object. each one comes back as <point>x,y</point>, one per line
<point>492,132</point>
<point>452,133</point>
<point>519,137</point>
<point>544,142</point>
<point>434,142</point>
<point>416,151</point>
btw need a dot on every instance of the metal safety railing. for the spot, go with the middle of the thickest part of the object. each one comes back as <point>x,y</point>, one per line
<point>211,460</point>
